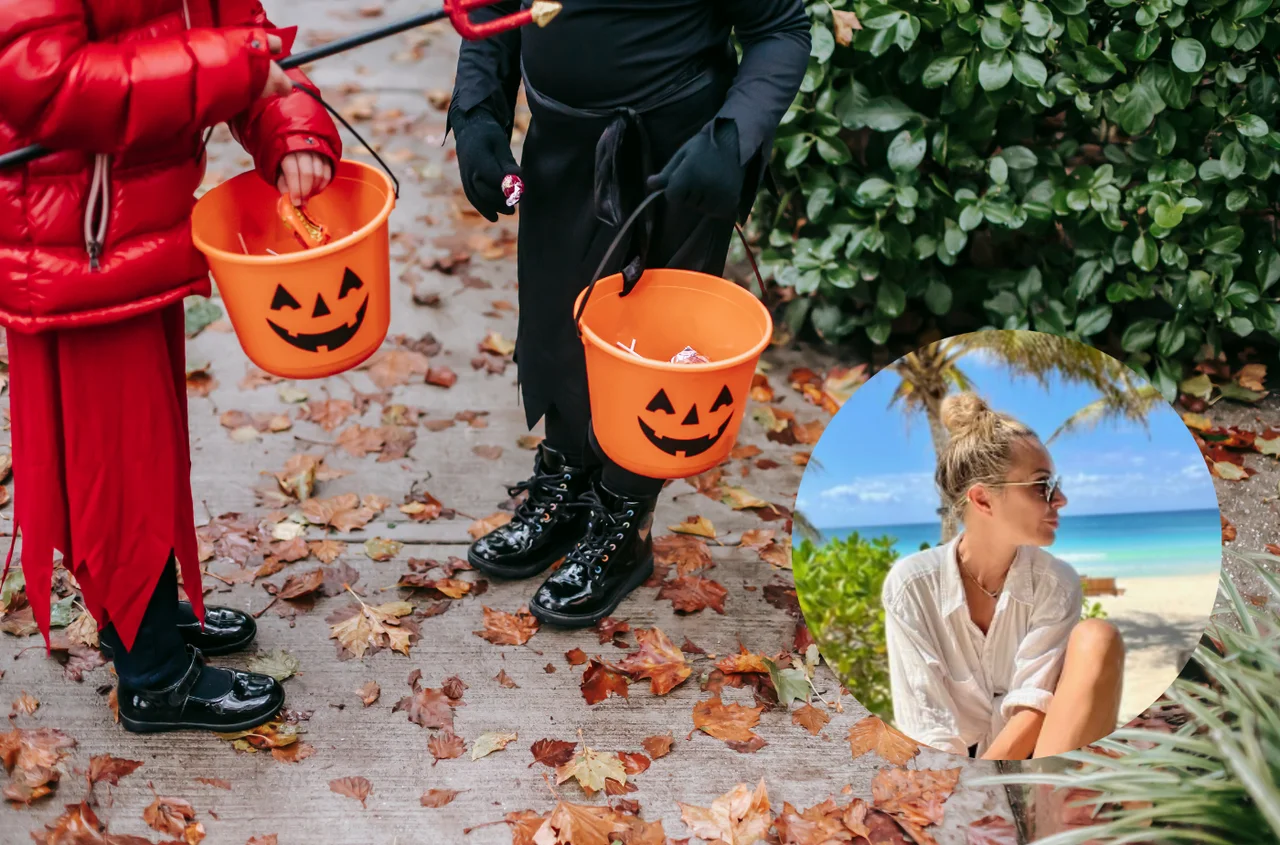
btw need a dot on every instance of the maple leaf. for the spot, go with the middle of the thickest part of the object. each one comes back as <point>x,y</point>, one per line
<point>552,752</point>
<point>690,594</point>
<point>729,722</point>
<point>991,830</point>
<point>757,538</point>
<point>297,586</point>
<point>502,628</point>
<point>26,704</point>
<point>103,768</point>
<point>658,659</point>
<point>269,839</point>
<point>32,758</point>
<point>575,656</point>
<point>172,816</point>
<point>914,795</point>
<point>696,525</point>
<point>599,681</point>
<point>577,824</point>
<point>352,787</point>
<point>591,769</point>
<point>429,708</point>
<point>529,441</point>
<point>328,414</point>
<point>369,693</point>
<point>611,629</point>
<point>393,367</point>
<point>491,741</point>
<point>744,661</point>
<point>657,746</point>
<point>810,718</point>
<point>439,797</point>
<point>79,824</point>
<point>889,744</point>
<point>446,745</point>
<point>372,626</point>
<point>634,763</point>
<point>481,527</point>
<point>293,753</point>
<point>739,817</point>
<point>504,680</point>
<point>358,440</point>
<point>818,824</point>
<point>337,579</point>
<point>686,553</point>
<point>777,555</point>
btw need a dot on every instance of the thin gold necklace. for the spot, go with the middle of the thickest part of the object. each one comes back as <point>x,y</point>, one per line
<point>964,571</point>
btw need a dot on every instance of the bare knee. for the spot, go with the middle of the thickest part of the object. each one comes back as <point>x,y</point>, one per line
<point>1097,640</point>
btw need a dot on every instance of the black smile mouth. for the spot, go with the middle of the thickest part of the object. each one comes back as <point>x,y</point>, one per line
<point>330,340</point>
<point>690,448</point>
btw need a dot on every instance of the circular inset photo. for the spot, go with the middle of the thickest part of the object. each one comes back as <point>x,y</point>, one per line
<point>1007,545</point>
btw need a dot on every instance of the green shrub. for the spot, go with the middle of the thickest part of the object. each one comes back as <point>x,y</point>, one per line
<point>1104,170</point>
<point>838,585</point>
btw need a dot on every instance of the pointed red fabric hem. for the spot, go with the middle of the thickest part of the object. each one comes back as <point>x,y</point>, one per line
<point>102,463</point>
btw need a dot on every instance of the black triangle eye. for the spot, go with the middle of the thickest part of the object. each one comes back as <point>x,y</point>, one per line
<point>350,282</point>
<point>725,398</point>
<point>283,299</point>
<point>660,402</point>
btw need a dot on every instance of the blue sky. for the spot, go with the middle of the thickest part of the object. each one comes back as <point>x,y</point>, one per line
<point>877,463</point>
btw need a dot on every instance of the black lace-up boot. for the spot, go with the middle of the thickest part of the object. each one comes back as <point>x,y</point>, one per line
<point>544,527</point>
<point>614,556</point>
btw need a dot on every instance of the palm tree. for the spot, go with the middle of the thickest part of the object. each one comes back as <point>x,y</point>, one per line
<point>929,374</point>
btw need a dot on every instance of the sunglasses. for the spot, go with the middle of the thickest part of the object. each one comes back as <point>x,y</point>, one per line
<point>1049,487</point>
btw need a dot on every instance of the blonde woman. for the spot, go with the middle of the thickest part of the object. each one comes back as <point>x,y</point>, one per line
<point>988,655</point>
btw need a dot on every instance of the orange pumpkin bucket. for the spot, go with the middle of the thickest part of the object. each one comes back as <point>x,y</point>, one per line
<point>654,417</point>
<point>302,313</point>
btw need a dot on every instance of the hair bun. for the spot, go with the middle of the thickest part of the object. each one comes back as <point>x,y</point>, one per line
<point>964,411</point>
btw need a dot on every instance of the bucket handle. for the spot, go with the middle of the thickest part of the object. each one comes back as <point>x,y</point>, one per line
<point>656,186</point>
<point>313,95</point>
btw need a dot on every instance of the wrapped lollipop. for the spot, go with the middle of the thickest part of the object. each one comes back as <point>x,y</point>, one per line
<point>308,232</point>
<point>689,355</point>
<point>512,189</point>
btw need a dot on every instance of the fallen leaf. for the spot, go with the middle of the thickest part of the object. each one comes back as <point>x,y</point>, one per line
<point>658,659</point>
<point>355,787</point>
<point>497,344</point>
<point>575,824</point>
<point>380,549</point>
<point>1228,530</point>
<point>103,768</point>
<point>26,704</point>
<point>591,769</point>
<point>757,538</point>
<point>575,656</point>
<point>552,752</point>
<point>489,453</point>
<point>914,795</point>
<point>501,628</point>
<point>1251,377</point>
<point>529,441</point>
<point>372,627</point>
<point>428,708</point>
<point>278,664</point>
<point>481,527</point>
<point>810,718</point>
<point>504,680</point>
<point>1268,442</point>
<point>690,594</point>
<point>446,745</point>
<point>599,681</point>
<point>889,744</point>
<point>739,817</point>
<point>169,815</point>
<point>657,746</point>
<point>293,753</point>
<point>439,797</point>
<point>739,499</point>
<point>489,742</point>
<point>687,554</point>
<point>726,721</point>
<point>697,525</point>
<point>393,367</point>
<point>991,830</point>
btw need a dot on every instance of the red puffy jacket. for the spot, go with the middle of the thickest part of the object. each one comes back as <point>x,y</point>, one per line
<point>100,230</point>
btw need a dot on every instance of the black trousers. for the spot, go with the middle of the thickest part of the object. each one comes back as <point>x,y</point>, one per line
<point>571,435</point>
<point>159,655</point>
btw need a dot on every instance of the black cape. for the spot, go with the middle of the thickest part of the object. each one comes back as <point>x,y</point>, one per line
<point>614,88</point>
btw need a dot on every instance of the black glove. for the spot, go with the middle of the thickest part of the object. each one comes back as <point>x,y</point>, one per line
<point>706,173</point>
<point>484,157</point>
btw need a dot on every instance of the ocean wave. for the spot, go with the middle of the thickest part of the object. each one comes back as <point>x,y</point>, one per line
<point>1081,557</point>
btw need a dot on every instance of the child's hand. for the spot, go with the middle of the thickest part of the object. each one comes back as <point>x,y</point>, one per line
<point>303,175</point>
<point>278,82</point>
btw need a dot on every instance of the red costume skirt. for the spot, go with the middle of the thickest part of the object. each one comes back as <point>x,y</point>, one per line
<point>102,463</point>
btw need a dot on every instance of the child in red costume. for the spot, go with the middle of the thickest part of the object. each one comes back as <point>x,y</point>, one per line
<point>96,258</point>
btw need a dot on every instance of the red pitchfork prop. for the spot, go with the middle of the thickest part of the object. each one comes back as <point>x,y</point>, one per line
<point>457,11</point>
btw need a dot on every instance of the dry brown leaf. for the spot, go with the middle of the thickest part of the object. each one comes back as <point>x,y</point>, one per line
<point>501,628</point>
<point>553,752</point>
<point>599,681</point>
<point>439,797</point>
<point>991,830</point>
<point>491,741</point>
<point>25,704</point>
<point>658,659</point>
<point>497,344</point>
<point>739,817</point>
<point>393,367</point>
<point>504,680</point>
<point>446,745</point>
<point>697,525</point>
<point>1251,376</point>
<point>575,656</point>
<point>657,746</point>
<point>103,768</point>
<point>591,769</point>
<point>687,553</point>
<point>576,824</point>
<point>810,718</point>
<point>690,594</point>
<point>889,744</point>
<point>481,527</point>
<point>729,722</point>
<point>352,787</point>
<point>914,795</point>
<point>372,626</point>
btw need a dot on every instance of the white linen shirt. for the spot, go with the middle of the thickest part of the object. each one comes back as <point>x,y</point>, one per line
<point>954,687</point>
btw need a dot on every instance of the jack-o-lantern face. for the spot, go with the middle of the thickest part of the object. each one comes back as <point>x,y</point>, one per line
<point>685,439</point>
<point>306,333</point>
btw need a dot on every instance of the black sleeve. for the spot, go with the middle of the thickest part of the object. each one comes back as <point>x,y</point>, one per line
<point>489,69</point>
<point>775,54</point>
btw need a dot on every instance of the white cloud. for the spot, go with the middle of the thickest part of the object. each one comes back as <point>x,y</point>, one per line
<point>882,489</point>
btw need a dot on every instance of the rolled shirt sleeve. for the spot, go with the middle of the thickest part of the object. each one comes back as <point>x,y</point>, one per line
<point>923,708</point>
<point>1038,661</point>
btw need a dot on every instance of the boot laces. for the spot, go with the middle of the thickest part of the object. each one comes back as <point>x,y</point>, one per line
<point>546,492</point>
<point>606,528</point>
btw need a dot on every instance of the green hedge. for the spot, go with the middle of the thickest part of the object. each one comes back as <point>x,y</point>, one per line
<point>838,585</point>
<point>1103,170</point>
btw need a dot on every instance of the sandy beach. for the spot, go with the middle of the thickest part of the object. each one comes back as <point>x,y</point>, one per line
<point>1160,619</point>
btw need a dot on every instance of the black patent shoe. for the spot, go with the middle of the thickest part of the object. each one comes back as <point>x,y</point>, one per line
<point>225,630</point>
<point>544,527</point>
<point>249,700</point>
<point>613,557</point>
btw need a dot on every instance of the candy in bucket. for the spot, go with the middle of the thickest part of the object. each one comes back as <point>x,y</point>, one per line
<point>688,355</point>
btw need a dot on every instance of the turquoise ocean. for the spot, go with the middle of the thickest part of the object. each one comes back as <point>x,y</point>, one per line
<point>1133,545</point>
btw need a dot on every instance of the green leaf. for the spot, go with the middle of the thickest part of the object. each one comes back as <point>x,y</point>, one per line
<point>940,71</point>
<point>1145,253</point>
<point>885,114</point>
<point>1019,157</point>
<point>970,217</point>
<point>906,151</point>
<point>799,152</point>
<point>993,35</point>
<point>998,170</point>
<point>790,684</point>
<point>1086,279</point>
<point>14,583</point>
<point>1233,160</point>
<point>1070,7</point>
<point>201,312</point>
<point>1242,327</point>
<point>1237,199</point>
<point>63,612</point>
<point>878,333</point>
<point>833,151</point>
<point>1138,109</point>
<point>1093,320</point>
<point>1224,239</point>
<point>954,239</point>
<point>874,188</point>
<point>1037,20</point>
<point>891,300</point>
<point>937,297</point>
<point>995,72</point>
<point>1029,70</point>
<point>1139,335</point>
<point>1251,126</point>
<point>1200,289</point>
<point>1188,55</point>
<point>1267,267</point>
<point>1166,215</point>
